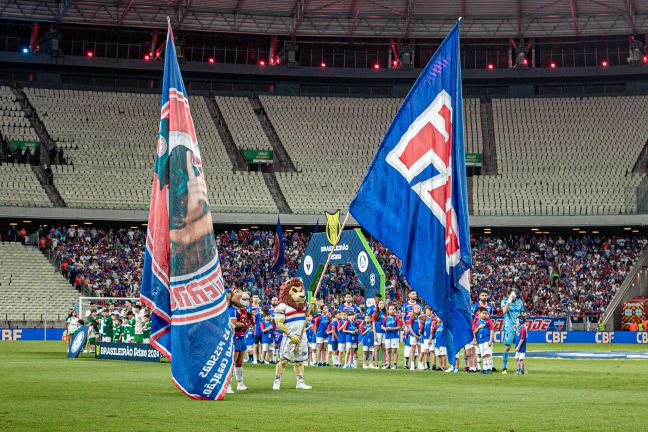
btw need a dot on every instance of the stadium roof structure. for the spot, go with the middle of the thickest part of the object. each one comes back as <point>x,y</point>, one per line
<point>350,18</point>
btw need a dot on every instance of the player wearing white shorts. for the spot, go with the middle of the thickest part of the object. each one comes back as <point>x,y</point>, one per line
<point>427,340</point>
<point>379,334</point>
<point>483,336</point>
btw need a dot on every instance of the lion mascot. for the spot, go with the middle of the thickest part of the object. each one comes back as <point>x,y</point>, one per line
<point>240,320</point>
<point>290,319</point>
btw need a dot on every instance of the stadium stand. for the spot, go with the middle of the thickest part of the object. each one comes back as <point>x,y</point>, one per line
<point>109,140</point>
<point>564,156</point>
<point>243,123</point>
<point>14,125</point>
<point>332,141</point>
<point>30,289</point>
<point>574,276</point>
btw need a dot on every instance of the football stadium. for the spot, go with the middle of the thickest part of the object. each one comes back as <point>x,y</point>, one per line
<point>324,215</point>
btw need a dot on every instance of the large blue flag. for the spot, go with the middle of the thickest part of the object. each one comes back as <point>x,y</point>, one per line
<point>182,281</point>
<point>413,197</point>
<point>278,254</point>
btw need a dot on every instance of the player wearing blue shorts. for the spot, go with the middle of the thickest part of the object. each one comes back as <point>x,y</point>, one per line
<point>255,310</point>
<point>520,345</point>
<point>320,324</point>
<point>332,350</point>
<point>351,330</point>
<point>367,342</point>
<point>249,343</point>
<point>267,339</point>
<point>512,307</point>
<point>310,338</point>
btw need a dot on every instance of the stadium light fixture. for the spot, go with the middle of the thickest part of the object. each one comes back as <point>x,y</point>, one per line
<point>322,65</point>
<point>604,63</point>
<point>545,232</point>
<point>298,228</point>
<point>25,50</point>
<point>627,229</point>
<point>133,227</point>
<point>147,57</point>
<point>13,224</point>
<point>645,59</point>
<point>144,224</point>
<point>535,229</point>
<point>254,227</point>
<point>87,223</point>
<point>27,221</point>
<point>376,66</point>
<point>635,231</point>
<point>595,232</point>
<point>552,65</point>
<point>582,232</point>
<point>89,54</point>
<point>575,229</point>
<point>525,62</point>
<point>211,60</point>
<point>490,66</point>
<point>262,63</point>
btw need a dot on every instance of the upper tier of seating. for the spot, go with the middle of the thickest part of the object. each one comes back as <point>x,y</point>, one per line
<point>110,140</point>
<point>564,156</point>
<point>14,125</point>
<point>243,123</point>
<point>333,140</point>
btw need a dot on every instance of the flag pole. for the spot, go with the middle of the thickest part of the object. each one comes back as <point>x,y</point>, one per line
<point>328,258</point>
<point>321,278</point>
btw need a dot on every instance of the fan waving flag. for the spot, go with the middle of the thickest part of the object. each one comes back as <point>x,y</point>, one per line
<point>413,197</point>
<point>182,281</point>
<point>278,254</point>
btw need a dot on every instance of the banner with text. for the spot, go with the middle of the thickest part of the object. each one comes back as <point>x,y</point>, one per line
<point>540,323</point>
<point>126,351</point>
<point>257,156</point>
<point>31,334</point>
<point>591,337</point>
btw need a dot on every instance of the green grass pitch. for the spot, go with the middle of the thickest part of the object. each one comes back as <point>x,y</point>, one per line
<point>42,390</point>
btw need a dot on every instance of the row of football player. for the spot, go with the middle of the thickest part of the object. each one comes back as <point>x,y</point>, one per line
<point>109,325</point>
<point>334,337</point>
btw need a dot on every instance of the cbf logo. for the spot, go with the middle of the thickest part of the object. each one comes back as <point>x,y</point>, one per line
<point>333,227</point>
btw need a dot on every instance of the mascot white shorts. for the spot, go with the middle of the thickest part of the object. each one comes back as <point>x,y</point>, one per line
<point>287,350</point>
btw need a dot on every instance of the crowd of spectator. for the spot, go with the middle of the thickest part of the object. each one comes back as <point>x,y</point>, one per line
<point>574,275</point>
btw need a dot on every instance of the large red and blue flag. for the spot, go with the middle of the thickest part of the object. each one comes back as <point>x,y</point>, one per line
<point>413,197</point>
<point>182,281</point>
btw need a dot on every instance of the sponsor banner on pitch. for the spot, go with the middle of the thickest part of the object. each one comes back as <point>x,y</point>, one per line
<point>31,334</point>
<point>540,323</point>
<point>562,337</point>
<point>126,351</point>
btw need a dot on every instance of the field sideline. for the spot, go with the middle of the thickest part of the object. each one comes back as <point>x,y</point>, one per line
<point>40,389</point>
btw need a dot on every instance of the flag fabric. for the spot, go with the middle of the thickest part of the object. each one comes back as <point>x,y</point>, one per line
<point>182,282</point>
<point>413,197</point>
<point>278,253</point>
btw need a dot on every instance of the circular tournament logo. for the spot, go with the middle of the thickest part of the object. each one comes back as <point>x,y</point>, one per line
<point>308,265</point>
<point>372,279</point>
<point>162,146</point>
<point>77,342</point>
<point>363,262</point>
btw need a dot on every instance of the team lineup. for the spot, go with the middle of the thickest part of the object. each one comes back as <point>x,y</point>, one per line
<point>287,331</point>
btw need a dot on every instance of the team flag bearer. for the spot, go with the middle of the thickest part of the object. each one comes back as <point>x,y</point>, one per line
<point>413,197</point>
<point>182,281</point>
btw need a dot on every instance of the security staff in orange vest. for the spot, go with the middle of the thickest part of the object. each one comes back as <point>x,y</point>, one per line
<point>633,327</point>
